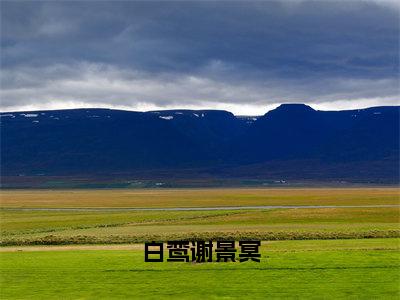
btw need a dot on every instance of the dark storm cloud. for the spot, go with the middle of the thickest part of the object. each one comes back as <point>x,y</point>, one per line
<point>198,53</point>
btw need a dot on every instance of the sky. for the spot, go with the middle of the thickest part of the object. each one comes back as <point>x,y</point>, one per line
<point>246,57</point>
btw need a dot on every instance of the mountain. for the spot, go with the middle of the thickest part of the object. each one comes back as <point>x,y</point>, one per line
<point>291,141</point>
<point>296,131</point>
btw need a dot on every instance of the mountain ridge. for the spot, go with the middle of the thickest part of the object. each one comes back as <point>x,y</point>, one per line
<point>93,141</point>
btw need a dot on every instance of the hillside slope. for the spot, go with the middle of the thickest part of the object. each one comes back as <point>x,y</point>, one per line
<point>291,141</point>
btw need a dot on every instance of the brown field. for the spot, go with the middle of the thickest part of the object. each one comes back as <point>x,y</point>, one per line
<point>198,197</point>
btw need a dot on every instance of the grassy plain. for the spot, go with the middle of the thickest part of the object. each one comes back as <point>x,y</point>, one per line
<point>82,227</point>
<point>331,269</point>
<point>199,197</point>
<point>19,227</point>
<point>313,253</point>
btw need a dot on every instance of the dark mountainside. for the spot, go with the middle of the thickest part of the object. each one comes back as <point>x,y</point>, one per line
<point>292,142</point>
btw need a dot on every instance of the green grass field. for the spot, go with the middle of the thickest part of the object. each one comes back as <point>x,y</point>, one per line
<point>330,253</point>
<point>332,269</point>
<point>56,227</point>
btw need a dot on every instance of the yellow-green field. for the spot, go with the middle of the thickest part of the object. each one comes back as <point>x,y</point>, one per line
<point>59,227</point>
<point>85,244</point>
<point>27,227</point>
<point>199,197</point>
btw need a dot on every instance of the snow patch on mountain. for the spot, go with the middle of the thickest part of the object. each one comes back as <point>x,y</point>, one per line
<point>29,115</point>
<point>166,117</point>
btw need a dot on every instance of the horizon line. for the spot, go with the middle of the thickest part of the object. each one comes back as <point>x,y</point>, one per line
<point>189,109</point>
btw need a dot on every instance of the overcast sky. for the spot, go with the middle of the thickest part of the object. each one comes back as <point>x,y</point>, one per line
<point>246,57</point>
